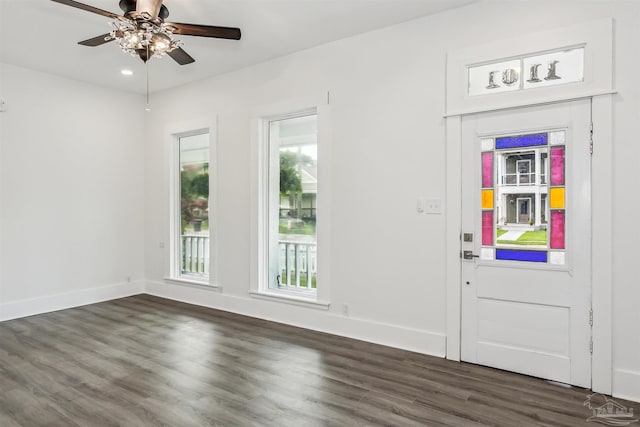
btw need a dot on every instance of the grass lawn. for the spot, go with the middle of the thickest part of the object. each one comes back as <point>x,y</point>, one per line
<point>309,229</point>
<point>188,227</point>
<point>529,238</point>
<point>303,280</point>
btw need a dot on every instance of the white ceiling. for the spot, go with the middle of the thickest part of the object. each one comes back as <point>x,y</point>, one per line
<point>43,35</point>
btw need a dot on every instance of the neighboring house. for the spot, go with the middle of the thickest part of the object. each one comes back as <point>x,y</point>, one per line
<point>522,187</point>
<point>307,202</point>
<point>309,177</point>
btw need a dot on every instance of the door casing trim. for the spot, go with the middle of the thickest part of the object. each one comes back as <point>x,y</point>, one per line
<point>601,241</point>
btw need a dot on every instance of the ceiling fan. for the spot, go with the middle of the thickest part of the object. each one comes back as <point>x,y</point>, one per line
<point>142,30</point>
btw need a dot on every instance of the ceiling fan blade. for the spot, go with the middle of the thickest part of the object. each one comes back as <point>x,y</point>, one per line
<point>87,8</point>
<point>206,31</point>
<point>97,41</point>
<point>180,56</point>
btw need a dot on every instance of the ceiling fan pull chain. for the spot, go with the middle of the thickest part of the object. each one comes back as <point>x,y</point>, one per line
<point>146,64</point>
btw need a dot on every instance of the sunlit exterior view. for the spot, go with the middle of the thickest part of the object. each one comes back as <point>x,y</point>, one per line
<point>194,206</point>
<point>293,148</point>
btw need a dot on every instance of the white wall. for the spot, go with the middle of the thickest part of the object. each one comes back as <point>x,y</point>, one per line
<point>387,102</point>
<point>71,193</point>
<point>381,162</point>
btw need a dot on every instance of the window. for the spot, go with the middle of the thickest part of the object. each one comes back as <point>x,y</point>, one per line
<point>523,215</point>
<point>191,247</point>
<point>291,217</point>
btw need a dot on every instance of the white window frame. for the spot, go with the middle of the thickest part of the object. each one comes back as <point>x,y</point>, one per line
<point>260,203</point>
<point>174,270</point>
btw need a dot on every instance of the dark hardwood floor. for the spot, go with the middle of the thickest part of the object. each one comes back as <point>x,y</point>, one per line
<point>146,361</point>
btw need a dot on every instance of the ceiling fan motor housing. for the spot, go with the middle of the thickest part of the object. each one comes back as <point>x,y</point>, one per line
<point>153,7</point>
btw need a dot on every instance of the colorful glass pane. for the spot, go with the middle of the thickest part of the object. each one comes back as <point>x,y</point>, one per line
<point>557,230</point>
<point>487,199</point>
<point>518,255</point>
<point>556,198</point>
<point>556,257</point>
<point>521,141</point>
<point>486,144</point>
<point>557,166</point>
<point>487,170</point>
<point>487,228</point>
<point>487,253</point>
<point>556,138</point>
<point>521,175</point>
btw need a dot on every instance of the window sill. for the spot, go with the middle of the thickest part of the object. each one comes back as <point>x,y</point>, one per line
<point>194,282</point>
<point>288,298</point>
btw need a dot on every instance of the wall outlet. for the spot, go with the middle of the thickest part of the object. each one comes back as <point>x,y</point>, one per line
<point>161,245</point>
<point>433,206</point>
<point>345,309</point>
<point>3,105</point>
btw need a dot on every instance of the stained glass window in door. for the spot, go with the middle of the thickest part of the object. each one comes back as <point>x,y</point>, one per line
<point>522,197</point>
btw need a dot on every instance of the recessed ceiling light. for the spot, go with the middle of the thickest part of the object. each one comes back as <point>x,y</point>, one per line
<point>126,72</point>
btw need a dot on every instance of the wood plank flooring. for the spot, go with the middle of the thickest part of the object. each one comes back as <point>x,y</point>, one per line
<point>147,361</point>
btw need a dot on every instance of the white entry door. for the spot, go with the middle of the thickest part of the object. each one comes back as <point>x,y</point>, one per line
<point>526,289</point>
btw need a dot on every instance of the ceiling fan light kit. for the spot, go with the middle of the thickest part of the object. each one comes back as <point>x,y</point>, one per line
<point>142,31</point>
<point>135,37</point>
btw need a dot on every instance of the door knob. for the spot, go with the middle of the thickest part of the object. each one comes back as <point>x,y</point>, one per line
<point>468,255</point>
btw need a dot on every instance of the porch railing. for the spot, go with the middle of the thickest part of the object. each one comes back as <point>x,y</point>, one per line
<point>195,254</point>
<point>298,260</point>
<point>522,179</point>
<point>298,264</point>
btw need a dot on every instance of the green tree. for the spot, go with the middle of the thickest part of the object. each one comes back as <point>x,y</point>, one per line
<point>290,181</point>
<point>194,194</point>
<point>200,185</point>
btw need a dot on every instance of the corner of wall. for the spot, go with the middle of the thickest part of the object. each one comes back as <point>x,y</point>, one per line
<point>62,301</point>
<point>626,384</point>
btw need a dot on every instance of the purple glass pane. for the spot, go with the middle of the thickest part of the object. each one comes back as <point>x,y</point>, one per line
<point>487,228</point>
<point>557,166</point>
<point>557,230</point>
<point>517,255</point>
<point>487,170</point>
<point>522,140</point>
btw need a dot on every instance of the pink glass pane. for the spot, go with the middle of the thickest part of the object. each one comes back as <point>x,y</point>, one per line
<point>487,170</point>
<point>557,230</point>
<point>557,166</point>
<point>487,228</point>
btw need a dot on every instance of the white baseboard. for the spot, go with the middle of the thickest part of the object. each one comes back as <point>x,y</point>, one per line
<point>420,341</point>
<point>626,385</point>
<point>45,304</point>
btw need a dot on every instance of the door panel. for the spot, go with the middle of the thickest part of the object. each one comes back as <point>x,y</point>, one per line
<point>515,324</point>
<point>526,294</point>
